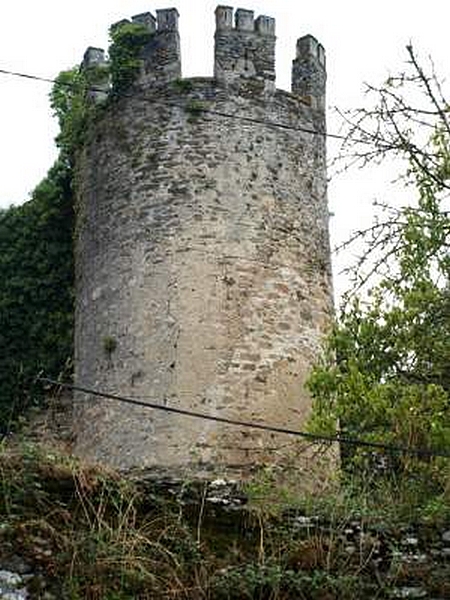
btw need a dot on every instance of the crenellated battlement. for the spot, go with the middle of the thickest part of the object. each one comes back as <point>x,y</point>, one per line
<point>94,61</point>
<point>94,57</point>
<point>244,48</point>
<point>244,21</point>
<point>224,18</point>
<point>309,71</point>
<point>265,25</point>
<point>166,20</point>
<point>161,57</point>
<point>146,19</point>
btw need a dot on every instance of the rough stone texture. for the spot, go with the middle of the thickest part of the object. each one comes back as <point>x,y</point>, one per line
<point>12,586</point>
<point>202,272</point>
<point>93,57</point>
<point>53,424</point>
<point>308,71</point>
<point>94,62</point>
<point>162,55</point>
<point>248,50</point>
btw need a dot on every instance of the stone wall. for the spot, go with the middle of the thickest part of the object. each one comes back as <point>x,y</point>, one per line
<point>246,50</point>
<point>202,269</point>
<point>308,71</point>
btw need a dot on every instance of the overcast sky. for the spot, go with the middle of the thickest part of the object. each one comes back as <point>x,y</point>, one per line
<point>364,41</point>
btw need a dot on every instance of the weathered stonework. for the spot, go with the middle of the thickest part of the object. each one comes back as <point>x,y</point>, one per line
<point>202,259</point>
<point>246,50</point>
<point>94,58</point>
<point>308,71</point>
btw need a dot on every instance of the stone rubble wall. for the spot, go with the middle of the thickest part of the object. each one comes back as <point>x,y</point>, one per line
<point>202,271</point>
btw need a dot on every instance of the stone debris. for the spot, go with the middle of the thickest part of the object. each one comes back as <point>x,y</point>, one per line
<point>446,537</point>
<point>409,592</point>
<point>12,586</point>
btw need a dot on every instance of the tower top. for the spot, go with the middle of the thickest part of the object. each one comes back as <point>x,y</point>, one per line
<point>244,49</point>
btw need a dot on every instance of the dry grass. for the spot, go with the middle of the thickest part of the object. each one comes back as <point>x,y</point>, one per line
<point>87,533</point>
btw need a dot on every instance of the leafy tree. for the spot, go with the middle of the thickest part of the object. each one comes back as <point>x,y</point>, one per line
<point>385,373</point>
<point>36,298</point>
<point>407,118</point>
<point>68,101</point>
<point>36,265</point>
<point>36,262</point>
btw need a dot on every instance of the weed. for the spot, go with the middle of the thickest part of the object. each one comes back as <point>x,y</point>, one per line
<point>182,85</point>
<point>109,345</point>
<point>195,108</point>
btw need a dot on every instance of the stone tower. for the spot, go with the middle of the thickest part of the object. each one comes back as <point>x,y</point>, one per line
<point>202,253</point>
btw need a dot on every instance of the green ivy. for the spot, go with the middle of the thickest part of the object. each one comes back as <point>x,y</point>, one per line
<point>36,291</point>
<point>36,262</point>
<point>125,52</point>
<point>71,106</point>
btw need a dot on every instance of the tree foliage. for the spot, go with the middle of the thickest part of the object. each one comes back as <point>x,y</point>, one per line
<point>385,373</point>
<point>405,119</point>
<point>68,101</point>
<point>36,292</point>
<point>36,262</point>
<point>36,265</point>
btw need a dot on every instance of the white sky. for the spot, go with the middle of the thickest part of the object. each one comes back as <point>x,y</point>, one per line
<point>364,41</point>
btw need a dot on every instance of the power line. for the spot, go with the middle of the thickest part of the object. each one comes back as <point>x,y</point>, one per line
<point>177,105</point>
<point>419,452</point>
<point>33,77</point>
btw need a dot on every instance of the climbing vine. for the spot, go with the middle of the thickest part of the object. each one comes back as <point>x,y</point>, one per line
<point>36,255</point>
<point>36,298</point>
<point>125,52</point>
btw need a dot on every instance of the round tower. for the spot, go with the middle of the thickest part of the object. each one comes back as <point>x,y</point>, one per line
<point>202,254</point>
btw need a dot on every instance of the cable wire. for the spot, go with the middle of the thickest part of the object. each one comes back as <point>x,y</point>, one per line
<point>418,452</point>
<point>176,105</point>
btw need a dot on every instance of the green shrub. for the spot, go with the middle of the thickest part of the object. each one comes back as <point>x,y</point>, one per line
<point>36,291</point>
<point>127,43</point>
